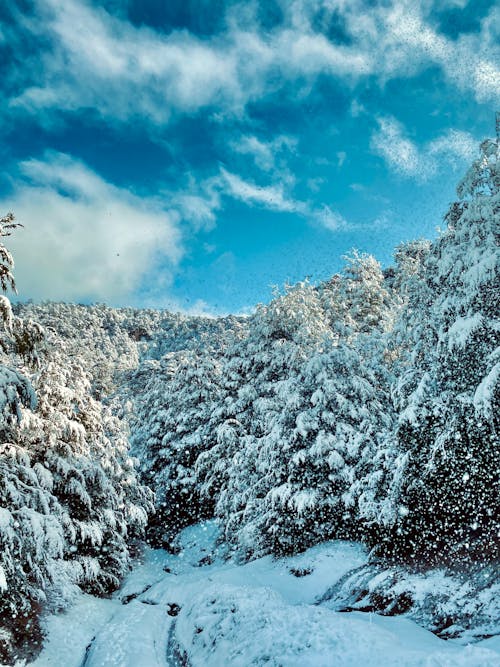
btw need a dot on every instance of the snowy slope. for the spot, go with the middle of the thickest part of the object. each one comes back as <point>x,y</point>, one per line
<point>259,613</point>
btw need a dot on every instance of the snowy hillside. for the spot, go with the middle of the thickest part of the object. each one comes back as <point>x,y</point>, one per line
<point>342,442</point>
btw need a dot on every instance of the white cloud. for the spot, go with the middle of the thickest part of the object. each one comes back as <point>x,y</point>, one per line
<point>356,109</point>
<point>400,153</point>
<point>274,197</point>
<point>314,184</point>
<point>442,4</point>
<point>197,204</point>
<point>455,146</point>
<point>403,155</point>
<point>85,239</point>
<point>104,62</point>
<point>402,42</point>
<point>341,156</point>
<point>271,196</point>
<point>330,219</point>
<point>123,71</point>
<point>266,154</point>
<point>197,210</point>
<point>310,53</point>
<point>261,151</point>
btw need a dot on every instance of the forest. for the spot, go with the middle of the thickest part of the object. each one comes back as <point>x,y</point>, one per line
<point>363,408</point>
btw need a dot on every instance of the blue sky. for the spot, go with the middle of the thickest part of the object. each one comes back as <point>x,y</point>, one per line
<point>191,154</point>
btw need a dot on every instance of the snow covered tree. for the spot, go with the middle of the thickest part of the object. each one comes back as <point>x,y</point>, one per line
<point>170,430</point>
<point>445,489</point>
<point>7,225</point>
<point>69,496</point>
<point>307,464</point>
<point>30,537</point>
<point>282,336</point>
<point>297,429</point>
<point>69,493</point>
<point>31,543</point>
<point>85,453</point>
<point>358,301</point>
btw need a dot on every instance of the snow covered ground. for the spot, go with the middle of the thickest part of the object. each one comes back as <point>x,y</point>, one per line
<point>172,611</point>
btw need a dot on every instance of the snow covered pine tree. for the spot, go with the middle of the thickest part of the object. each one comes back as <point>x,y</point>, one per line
<point>170,429</point>
<point>445,493</point>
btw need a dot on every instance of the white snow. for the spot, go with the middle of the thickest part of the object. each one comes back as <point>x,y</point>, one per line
<point>259,613</point>
<point>461,330</point>
<point>484,395</point>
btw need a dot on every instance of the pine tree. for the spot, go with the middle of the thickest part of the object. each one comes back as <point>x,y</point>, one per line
<point>171,429</point>
<point>445,489</point>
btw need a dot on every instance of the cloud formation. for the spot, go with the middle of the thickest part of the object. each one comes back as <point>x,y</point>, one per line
<point>267,155</point>
<point>278,198</point>
<point>90,58</point>
<point>85,239</point>
<point>404,156</point>
<point>275,106</point>
<point>271,196</point>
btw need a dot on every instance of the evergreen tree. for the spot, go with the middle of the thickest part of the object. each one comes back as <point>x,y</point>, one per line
<point>7,225</point>
<point>171,429</point>
<point>445,489</point>
<point>309,433</point>
<point>281,337</point>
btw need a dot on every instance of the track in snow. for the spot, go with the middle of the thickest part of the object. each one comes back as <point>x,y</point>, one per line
<point>172,612</point>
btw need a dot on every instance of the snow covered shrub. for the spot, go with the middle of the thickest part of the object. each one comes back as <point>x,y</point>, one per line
<point>462,604</point>
<point>445,494</point>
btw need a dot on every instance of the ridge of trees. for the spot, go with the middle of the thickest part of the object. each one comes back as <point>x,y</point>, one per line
<point>366,407</point>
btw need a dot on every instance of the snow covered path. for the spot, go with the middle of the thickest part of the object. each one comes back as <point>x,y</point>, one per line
<point>172,611</point>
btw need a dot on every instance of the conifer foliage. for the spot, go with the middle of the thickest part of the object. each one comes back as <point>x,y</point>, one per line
<point>69,497</point>
<point>448,394</point>
<point>365,407</point>
<point>170,430</point>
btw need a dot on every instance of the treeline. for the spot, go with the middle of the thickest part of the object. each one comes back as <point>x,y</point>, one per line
<point>71,504</point>
<point>364,408</point>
